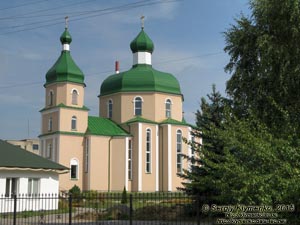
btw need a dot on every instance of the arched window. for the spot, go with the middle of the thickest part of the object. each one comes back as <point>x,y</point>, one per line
<point>74,97</point>
<point>50,124</point>
<point>168,108</point>
<point>50,98</point>
<point>74,169</point>
<point>74,123</point>
<point>179,151</point>
<point>138,106</point>
<point>109,108</point>
<point>148,151</point>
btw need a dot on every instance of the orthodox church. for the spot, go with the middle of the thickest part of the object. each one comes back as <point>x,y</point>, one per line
<point>135,142</point>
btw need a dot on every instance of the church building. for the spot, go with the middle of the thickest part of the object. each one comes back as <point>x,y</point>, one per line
<point>135,142</point>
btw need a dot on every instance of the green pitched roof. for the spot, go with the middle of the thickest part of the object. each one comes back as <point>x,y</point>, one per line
<point>104,127</point>
<point>141,78</point>
<point>175,122</point>
<point>65,69</point>
<point>16,157</point>
<point>61,105</point>
<point>142,43</point>
<point>139,119</point>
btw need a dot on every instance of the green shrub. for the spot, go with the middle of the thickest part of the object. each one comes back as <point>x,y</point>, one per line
<point>124,196</point>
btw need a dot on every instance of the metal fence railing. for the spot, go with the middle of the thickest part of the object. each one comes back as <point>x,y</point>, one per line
<point>103,208</point>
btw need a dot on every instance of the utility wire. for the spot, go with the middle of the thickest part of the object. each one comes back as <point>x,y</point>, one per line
<point>101,13</point>
<point>18,6</point>
<point>44,10</point>
<point>110,71</point>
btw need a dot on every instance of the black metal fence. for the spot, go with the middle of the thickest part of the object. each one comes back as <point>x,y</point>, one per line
<point>103,208</point>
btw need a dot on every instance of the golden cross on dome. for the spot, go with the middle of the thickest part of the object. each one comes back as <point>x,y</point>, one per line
<point>66,21</point>
<point>142,21</point>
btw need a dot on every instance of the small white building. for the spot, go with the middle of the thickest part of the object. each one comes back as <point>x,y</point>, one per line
<point>32,178</point>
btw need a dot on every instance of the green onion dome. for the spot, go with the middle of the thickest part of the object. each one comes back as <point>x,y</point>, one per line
<point>65,37</point>
<point>140,78</point>
<point>142,43</point>
<point>65,69</point>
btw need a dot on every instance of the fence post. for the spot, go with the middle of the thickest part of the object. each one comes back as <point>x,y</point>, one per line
<point>15,209</point>
<point>70,209</point>
<point>198,208</point>
<point>130,209</point>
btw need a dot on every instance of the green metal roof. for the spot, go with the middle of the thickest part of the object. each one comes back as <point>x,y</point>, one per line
<point>175,122</point>
<point>66,37</point>
<point>65,69</point>
<point>104,127</point>
<point>61,105</point>
<point>141,78</point>
<point>139,119</point>
<point>15,157</point>
<point>142,43</point>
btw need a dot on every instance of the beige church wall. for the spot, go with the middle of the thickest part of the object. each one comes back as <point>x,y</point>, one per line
<point>160,105</point>
<point>45,121</point>
<point>103,106</point>
<point>98,163</point>
<point>63,94</point>
<point>176,180</point>
<point>53,88</point>
<point>66,118</point>
<point>71,147</point>
<point>149,179</point>
<point>163,158</point>
<point>118,161</point>
<point>135,144</point>
<point>153,107</point>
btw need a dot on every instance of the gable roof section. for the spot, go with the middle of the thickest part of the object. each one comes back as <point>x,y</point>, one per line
<point>15,157</point>
<point>104,127</point>
<point>174,122</point>
<point>139,119</point>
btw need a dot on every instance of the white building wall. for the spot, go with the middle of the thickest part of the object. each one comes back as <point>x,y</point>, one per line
<point>48,186</point>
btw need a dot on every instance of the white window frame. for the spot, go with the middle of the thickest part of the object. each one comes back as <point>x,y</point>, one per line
<point>129,159</point>
<point>74,162</point>
<point>135,108</point>
<point>74,94</point>
<point>109,108</point>
<point>11,189</point>
<point>168,111</point>
<point>148,159</point>
<point>179,151</point>
<point>74,123</point>
<point>31,186</point>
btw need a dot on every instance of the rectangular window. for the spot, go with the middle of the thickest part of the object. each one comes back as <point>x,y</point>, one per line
<point>86,168</point>
<point>11,186</point>
<point>33,186</point>
<point>35,147</point>
<point>179,151</point>
<point>49,151</point>
<point>50,124</point>
<point>74,174</point>
<point>129,159</point>
<point>148,151</point>
<point>193,150</point>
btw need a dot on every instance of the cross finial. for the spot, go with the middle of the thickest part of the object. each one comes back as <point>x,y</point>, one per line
<point>66,22</point>
<point>142,21</point>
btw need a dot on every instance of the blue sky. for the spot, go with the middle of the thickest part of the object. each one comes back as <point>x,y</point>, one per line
<point>187,35</point>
